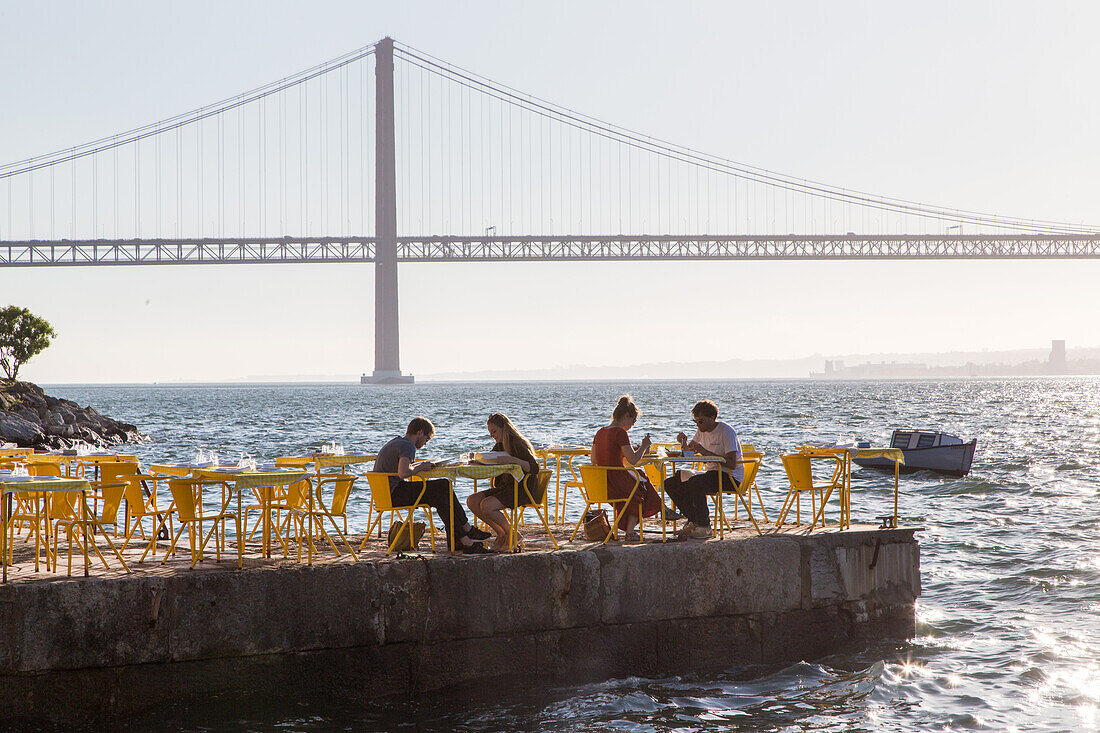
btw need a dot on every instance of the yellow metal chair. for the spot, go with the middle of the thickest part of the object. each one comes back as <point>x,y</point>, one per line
<point>45,459</point>
<point>537,502</point>
<point>28,512</point>
<point>292,461</point>
<point>751,465</point>
<point>278,499</point>
<point>749,452</point>
<point>187,506</point>
<point>44,468</point>
<point>382,501</point>
<point>111,481</point>
<point>594,491</point>
<point>656,476</point>
<point>142,503</point>
<point>799,468</point>
<point>341,491</point>
<point>64,509</point>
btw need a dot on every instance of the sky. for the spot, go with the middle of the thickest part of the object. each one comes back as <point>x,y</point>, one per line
<point>983,106</point>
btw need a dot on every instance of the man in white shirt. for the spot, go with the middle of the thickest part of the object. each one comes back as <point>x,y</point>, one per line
<point>712,438</point>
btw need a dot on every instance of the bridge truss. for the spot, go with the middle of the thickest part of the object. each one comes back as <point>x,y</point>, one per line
<point>546,248</point>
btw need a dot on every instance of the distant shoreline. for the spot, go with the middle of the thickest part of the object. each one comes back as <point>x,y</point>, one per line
<point>619,380</point>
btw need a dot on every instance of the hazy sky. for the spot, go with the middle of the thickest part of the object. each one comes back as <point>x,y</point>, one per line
<point>985,106</point>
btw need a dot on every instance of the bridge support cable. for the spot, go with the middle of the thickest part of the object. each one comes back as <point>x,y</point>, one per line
<point>776,201</point>
<point>247,163</point>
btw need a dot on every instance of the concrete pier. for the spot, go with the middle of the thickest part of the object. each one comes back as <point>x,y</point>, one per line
<point>116,644</point>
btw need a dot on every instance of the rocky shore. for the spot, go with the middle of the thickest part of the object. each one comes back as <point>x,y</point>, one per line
<point>30,418</point>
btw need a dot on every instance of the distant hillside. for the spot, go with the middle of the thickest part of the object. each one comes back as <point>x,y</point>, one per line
<point>782,368</point>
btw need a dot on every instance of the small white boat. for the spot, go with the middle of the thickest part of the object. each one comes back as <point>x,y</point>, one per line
<point>927,450</point>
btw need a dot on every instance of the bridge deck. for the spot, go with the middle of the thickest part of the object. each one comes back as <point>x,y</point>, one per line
<point>43,253</point>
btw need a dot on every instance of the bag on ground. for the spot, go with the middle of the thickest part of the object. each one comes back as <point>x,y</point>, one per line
<point>402,537</point>
<point>596,526</point>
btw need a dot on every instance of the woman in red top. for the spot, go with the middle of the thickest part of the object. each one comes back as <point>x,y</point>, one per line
<point>609,448</point>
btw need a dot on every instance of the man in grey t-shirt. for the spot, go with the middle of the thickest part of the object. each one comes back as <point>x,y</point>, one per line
<point>396,457</point>
<point>712,438</point>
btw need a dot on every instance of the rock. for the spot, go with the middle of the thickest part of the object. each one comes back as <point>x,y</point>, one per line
<point>18,430</point>
<point>31,418</point>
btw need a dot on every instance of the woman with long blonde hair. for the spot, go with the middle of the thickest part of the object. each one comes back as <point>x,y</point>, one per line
<point>489,505</point>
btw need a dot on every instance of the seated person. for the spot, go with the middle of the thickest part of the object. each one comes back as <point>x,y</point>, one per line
<point>611,447</point>
<point>489,505</point>
<point>712,438</point>
<point>397,456</point>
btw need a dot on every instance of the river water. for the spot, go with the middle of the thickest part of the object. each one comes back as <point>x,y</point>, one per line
<point>1008,626</point>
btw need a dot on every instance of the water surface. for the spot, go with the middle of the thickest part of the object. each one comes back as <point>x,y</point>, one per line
<point>1008,632</point>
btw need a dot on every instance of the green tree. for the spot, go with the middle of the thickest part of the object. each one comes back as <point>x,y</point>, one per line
<point>22,335</point>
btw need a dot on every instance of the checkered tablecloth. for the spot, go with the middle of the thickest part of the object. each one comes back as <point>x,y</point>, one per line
<point>11,484</point>
<point>253,479</point>
<point>474,471</point>
<point>892,454</point>
<point>568,450</point>
<point>323,460</point>
<point>182,469</point>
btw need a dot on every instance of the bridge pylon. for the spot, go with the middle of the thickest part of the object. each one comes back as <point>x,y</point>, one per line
<point>387,367</point>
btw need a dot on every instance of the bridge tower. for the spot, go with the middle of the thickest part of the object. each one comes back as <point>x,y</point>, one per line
<point>387,369</point>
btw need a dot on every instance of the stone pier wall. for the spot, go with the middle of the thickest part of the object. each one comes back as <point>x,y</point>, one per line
<point>414,624</point>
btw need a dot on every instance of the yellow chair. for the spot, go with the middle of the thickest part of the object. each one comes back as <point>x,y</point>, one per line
<point>44,468</point>
<point>65,510</point>
<point>338,507</point>
<point>656,477</point>
<point>141,504</point>
<point>744,490</point>
<point>799,468</point>
<point>278,499</point>
<point>187,506</point>
<point>382,501</point>
<point>28,512</point>
<point>749,452</point>
<point>292,461</point>
<point>46,459</point>
<point>524,500</point>
<point>111,482</point>
<point>594,491</point>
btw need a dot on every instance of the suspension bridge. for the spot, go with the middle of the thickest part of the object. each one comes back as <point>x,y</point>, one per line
<point>387,155</point>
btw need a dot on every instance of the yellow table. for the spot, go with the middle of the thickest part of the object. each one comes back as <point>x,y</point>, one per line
<point>186,469</point>
<point>320,461</point>
<point>10,484</point>
<point>324,460</point>
<point>242,479</point>
<point>662,461</point>
<point>569,452</point>
<point>16,452</point>
<point>846,453</point>
<point>477,472</point>
<point>73,462</point>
